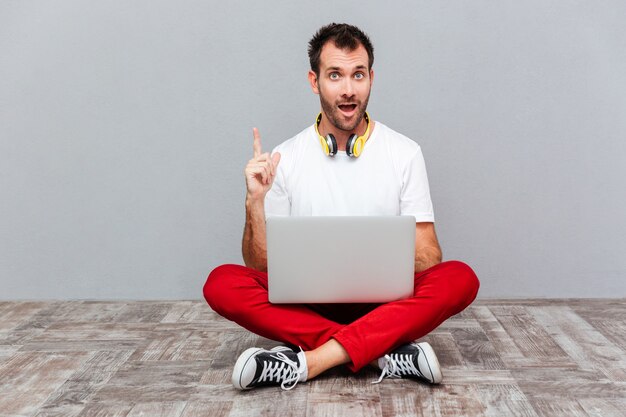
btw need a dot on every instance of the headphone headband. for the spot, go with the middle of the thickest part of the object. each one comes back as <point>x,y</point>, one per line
<point>355,143</point>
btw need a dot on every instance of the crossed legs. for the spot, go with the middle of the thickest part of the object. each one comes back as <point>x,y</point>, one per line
<point>351,334</point>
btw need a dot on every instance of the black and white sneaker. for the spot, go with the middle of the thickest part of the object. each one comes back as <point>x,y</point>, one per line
<point>415,360</point>
<point>258,367</point>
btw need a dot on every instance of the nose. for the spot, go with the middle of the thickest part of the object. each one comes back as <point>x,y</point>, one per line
<point>348,88</point>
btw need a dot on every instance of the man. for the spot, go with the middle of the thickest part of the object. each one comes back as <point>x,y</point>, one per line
<point>301,178</point>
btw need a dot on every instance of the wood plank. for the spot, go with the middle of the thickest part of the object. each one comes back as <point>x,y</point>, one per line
<point>559,407</point>
<point>50,313</point>
<point>458,323</point>
<point>341,381</point>
<point>502,342</point>
<point>545,302</point>
<point>416,401</point>
<point>465,314</point>
<point>192,312</point>
<point>422,400</point>
<point>19,337</point>
<point>88,379</point>
<point>508,350</point>
<point>143,312</point>
<point>7,351</point>
<point>13,314</point>
<point>157,409</point>
<point>148,381</point>
<point>161,345</point>
<point>226,392</point>
<point>81,345</point>
<point>179,345</point>
<point>548,390</point>
<point>601,309</point>
<point>588,347</point>
<point>103,409</point>
<point>446,349</point>
<point>476,349</point>
<point>88,311</point>
<point>36,323</point>
<point>477,377</point>
<point>28,378</point>
<point>614,330</point>
<point>505,400</point>
<point>55,410</point>
<point>216,324</point>
<point>610,320</point>
<point>452,401</point>
<point>604,407</point>
<point>234,344</point>
<point>207,409</point>
<point>95,331</point>
<point>270,401</point>
<point>319,405</point>
<point>217,376</point>
<point>531,338</point>
<point>581,376</point>
<point>77,336</point>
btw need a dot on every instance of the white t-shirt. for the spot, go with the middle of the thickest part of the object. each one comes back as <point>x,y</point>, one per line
<point>388,178</point>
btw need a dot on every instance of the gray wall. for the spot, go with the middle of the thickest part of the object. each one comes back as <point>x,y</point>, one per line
<point>125,128</point>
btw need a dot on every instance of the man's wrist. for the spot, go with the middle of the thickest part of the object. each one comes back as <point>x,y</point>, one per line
<point>252,201</point>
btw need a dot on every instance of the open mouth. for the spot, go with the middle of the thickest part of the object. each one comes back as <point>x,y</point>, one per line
<point>347,108</point>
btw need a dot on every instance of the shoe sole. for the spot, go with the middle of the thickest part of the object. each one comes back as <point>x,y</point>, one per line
<point>240,365</point>
<point>431,358</point>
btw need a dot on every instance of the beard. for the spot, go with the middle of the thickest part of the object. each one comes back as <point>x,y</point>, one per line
<point>335,117</point>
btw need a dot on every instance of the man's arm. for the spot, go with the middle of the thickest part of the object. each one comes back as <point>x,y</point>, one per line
<point>427,250</point>
<point>260,173</point>
<point>254,245</point>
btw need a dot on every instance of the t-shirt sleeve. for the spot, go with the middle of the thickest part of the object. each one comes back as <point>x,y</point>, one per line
<point>415,195</point>
<point>277,199</point>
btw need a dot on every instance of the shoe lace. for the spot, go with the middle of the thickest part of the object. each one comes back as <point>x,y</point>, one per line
<point>398,365</point>
<point>282,370</point>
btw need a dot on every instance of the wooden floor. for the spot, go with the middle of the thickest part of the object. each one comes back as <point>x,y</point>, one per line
<point>499,358</point>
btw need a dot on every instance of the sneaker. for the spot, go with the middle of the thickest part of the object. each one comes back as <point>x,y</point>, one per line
<point>415,360</point>
<point>258,367</point>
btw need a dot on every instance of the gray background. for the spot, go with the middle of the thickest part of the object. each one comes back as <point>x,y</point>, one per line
<point>125,128</point>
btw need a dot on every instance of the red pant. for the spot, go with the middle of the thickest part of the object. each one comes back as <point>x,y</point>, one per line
<point>366,331</point>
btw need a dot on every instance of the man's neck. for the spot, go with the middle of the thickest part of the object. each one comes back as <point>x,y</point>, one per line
<point>342,136</point>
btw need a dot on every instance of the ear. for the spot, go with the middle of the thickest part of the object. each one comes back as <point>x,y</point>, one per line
<point>371,77</point>
<point>313,81</point>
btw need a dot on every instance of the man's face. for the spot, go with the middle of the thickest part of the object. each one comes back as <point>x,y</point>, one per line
<point>344,85</point>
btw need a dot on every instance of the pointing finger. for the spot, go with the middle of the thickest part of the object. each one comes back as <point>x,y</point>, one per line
<point>256,144</point>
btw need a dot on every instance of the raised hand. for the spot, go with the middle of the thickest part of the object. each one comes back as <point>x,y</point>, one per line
<point>261,169</point>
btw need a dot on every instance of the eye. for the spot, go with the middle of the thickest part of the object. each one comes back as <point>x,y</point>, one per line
<point>359,75</point>
<point>334,76</point>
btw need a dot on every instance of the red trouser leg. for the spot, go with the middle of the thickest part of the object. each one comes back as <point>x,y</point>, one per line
<point>440,292</point>
<point>240,294</point>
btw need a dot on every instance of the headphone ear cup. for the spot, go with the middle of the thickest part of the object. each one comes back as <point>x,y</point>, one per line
<point>350,144</point>
<point>331,142</point>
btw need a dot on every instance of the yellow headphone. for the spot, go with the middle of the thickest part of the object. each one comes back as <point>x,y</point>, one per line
<point>355,143</point>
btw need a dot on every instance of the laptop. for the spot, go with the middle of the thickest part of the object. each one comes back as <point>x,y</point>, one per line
<point>340,259</point>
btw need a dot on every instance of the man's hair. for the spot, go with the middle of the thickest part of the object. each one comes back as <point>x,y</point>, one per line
<point>344,36</point>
